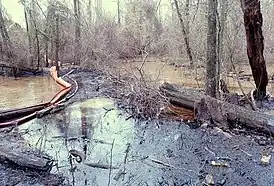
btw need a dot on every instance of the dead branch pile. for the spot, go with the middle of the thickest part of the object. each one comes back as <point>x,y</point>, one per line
<point>144,103</point>
<point>138,100</point>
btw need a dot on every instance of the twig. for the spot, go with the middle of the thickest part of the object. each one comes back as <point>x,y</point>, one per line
<point>127,151</point>
<point>252,99</point>
<point>125,160</point>
<point>144,61</point>
<point>122,170</point>
<point>159,71</point>
<point>196,77</point>
<point>99,165</point>
<point>110,169</point>
<point>173,167</point>
<point>253,105</point>
<point>162,163</point>
<point>107,111</point>
<point>140,70</point>
<point>250,155</point>
<point>211,152</point>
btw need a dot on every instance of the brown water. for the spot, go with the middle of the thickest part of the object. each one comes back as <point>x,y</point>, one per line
<point>89,127</point>
<point>162,72</point>
<point>33,90</point>
<point>26,91</point>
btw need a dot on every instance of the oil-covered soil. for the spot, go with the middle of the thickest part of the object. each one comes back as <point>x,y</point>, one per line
<point>94,142</point>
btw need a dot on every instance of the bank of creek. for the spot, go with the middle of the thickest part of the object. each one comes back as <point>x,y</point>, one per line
<point>145,153</point>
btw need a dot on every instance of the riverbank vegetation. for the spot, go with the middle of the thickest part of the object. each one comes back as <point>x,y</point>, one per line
<point>84,33</point>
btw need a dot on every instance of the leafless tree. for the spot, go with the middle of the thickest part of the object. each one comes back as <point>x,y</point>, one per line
<point>57,42</point>
<point>29,34</point>
<point>119,12</point>
<point>77,57</point>
<point>185,31</point>
<point>4,34</point>
<point>253,21</point>
<point>211,83</point>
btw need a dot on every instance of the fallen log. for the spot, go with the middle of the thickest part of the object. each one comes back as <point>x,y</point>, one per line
<point>222,114</point>
<point>25,158</point>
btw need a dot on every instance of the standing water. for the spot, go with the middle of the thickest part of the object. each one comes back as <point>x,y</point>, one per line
<point>93,130</point>
<point>26,91</point>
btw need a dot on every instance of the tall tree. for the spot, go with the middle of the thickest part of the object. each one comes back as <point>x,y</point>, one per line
<point>184,32</point>
<point>31,16</point>
<point>187,14</point>
<point>89,12</point>
<point>222,25</point>
<point>4,34</point>
<point>37,48</point>
<point>77,49</point>
<point>98,9</point>
<point>119,12</point>
<point>49,30</point>
<point>253,21</point>
<point>30,56</point>
<point>57,42</point>
<point>211,83</point>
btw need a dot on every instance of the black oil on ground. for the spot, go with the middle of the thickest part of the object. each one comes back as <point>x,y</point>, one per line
<point>91,135</point>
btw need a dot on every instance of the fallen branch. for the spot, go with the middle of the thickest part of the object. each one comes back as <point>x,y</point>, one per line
<point>222,114</point>
<point>252,102</point>
<point>25,159</point>
<point>110,166</point>
<point>101,166</point>
<point>163,163</point>
<point>122,170</point>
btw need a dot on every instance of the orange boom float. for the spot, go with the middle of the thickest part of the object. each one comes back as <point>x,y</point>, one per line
<point>21,115</point>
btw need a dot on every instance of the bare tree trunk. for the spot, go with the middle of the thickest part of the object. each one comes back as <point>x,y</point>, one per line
<point>222,17</point>
<point>211,83</point>
<point>253,21</point>
<point>49,34</point>
<point>46,53</point>
<point>77,56</point>
<point>57,43</point>
<point>37,40</point>
<point>187,9</point>
<point>38,47</point>
<point>1,50</point>
<point>89,12</point>
<point>119,12</point>
<point>4,34</point>
<point>29,35</point>
<point>183,29</point>
<point>98,9</point>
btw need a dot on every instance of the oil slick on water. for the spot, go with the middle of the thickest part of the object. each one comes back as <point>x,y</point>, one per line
<point>89,128</point>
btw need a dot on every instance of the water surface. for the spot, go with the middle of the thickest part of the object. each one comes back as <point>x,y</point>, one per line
<point>90,128</point>
<point>26,91</point>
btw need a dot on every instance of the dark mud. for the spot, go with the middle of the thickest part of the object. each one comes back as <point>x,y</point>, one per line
<point>145,153</point>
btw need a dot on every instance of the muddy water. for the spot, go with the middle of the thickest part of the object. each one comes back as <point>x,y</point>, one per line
<point>33,90</point>
<point>161,71</point>
<point>26,91</point>
<point>90,128</point>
